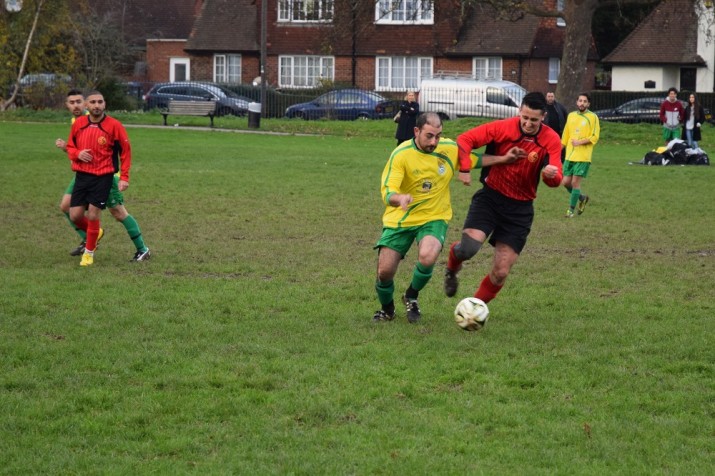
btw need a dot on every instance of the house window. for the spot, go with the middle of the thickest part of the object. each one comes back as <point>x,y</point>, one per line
<point>305,71</point>
<point>560,8</point>
<point>554,69</point>
<point>227,69</point>
<point>401,73</point>
<point>179,69</point>
<point>420,12</point>
<point>300,11</point>
<point>487,68</point>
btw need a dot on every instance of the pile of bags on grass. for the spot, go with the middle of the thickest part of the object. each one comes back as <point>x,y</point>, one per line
<point>677,152</point>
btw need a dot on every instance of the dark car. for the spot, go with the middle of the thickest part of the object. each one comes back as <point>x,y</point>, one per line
<point>227,101</point>
<point>345,104</point>
<point>639,110</point>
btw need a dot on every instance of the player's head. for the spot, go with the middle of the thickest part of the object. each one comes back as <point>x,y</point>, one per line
<point>95,104</point>
<point>428,130</point>
<point>532,112</point>
<point>583,101</point>
<point>75,102</point>
<point>550,98</point>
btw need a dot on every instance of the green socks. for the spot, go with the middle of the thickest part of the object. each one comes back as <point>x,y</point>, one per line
<point>135,234</point>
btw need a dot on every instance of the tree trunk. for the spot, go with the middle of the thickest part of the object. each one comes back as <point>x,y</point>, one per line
<point>578,15</point>
<point>5,104</point>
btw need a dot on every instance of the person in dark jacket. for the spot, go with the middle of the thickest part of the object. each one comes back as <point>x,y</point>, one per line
<point>693,119</point>
<point>409,110</point>
<point>556,115</point>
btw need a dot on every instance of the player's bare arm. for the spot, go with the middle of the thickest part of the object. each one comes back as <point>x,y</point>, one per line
<point>401,200</point>
<point>549,171</point>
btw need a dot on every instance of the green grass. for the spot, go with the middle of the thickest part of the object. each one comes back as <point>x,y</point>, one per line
<point>245,346</point>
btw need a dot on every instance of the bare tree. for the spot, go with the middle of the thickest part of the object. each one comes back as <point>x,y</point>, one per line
<point>10,101</point>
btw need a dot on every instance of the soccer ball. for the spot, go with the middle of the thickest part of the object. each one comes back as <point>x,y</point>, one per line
<point>471,314</point>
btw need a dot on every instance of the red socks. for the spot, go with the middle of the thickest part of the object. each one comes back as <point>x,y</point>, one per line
<point>92,234</point>
<point>453,264</point>
<point>486,292</point>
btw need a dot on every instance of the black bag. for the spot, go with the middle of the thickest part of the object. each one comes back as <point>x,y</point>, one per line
<point>653,158</point>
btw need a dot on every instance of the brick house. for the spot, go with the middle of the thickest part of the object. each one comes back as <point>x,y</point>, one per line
<point>671,47</point>
<point>370,45</point>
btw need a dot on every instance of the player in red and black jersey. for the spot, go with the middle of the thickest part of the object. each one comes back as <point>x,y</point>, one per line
<point>98,147</point>
<point>502,210</point>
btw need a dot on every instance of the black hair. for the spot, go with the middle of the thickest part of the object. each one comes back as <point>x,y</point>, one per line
<point>535,101</point>
<point>672,89</point>
<point>586,95</point>
<point>74,92</point>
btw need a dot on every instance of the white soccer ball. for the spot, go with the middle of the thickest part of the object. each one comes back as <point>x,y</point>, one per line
<point>471,314</point>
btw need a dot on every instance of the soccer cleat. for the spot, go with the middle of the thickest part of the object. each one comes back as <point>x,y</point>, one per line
<point>582,202</point>
<point>451,283</point>
<point>79,250</point>
<point>87,259</point>
<point>569,213</point>
<point>382,316</point>
<point>413,309</point>
<point>141,255</point>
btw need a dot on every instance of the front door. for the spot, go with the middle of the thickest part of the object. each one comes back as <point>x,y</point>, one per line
<point>687,79</point>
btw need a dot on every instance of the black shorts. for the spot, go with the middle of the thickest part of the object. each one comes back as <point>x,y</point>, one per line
<point>91,190</point>
<point>505,219</point>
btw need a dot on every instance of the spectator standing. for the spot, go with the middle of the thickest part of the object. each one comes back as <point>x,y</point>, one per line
<point>580,135</point>
<point>671,116</point>
<point>556,114</point>
<point>692,120</point>
<point>409,110</point>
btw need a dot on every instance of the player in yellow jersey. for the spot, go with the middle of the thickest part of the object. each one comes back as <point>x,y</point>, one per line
<point>415,189</point>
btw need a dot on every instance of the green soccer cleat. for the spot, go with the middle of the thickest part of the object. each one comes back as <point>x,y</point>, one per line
<point>569,213</point>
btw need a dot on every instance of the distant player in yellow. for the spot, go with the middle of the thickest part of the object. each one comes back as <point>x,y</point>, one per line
<point>415,189</point>
<point>580,135</point>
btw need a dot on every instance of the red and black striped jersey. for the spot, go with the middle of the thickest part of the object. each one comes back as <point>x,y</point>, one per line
<point>108,142</point>
<point>517,180</point>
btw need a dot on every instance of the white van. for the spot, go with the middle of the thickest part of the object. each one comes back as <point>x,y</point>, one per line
<point>453,97</point>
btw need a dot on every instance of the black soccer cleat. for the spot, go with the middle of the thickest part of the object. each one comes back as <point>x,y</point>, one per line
<point>141,255</point>
<point>79,250</point>
<point>382,316</point>
<point>451,283</point>
<point>413,309</point>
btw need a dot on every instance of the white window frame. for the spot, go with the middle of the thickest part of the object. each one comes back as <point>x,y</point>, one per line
<point>297,11</point>
<point>554,70</point>
<point>299,75</point>
<point>392,72</point>
<point>174,62</point>
<point>227,68</point>
<point>404,12</point>
<point>560,8</point>
<point>487,67</point>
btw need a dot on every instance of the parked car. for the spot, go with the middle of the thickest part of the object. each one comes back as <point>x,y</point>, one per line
<point>453,97</point>
<point>639,110</point>
<point>227,102</point>
<point>345,104</point>
<point>46,79</point>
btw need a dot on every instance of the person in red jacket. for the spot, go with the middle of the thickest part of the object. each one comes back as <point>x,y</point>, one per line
<point>672,113</point>
<point>502,210</point>
<point>98,147</point>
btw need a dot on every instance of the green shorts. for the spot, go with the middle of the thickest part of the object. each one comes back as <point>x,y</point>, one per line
<point>401,239</point>
<point>670,134</point>
<point>115,196</point>
<point>579,169</point>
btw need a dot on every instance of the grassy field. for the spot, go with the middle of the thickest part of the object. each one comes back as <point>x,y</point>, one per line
<point>245,346</point>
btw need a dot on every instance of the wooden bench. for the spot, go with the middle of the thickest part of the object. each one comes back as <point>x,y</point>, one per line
<point>190,108</point>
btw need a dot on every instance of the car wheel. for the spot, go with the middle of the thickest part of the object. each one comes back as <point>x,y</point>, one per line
<point>363,117</point>
<point>300,115</point>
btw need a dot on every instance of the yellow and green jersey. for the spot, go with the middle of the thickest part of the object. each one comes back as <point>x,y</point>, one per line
<point>425,176</point>
<point>580,126</point>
